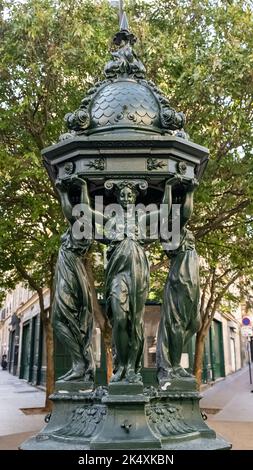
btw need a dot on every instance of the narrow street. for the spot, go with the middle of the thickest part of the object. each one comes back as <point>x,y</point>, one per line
<point>233,397</point>
<point>16,426</point>
<point>228,404</point>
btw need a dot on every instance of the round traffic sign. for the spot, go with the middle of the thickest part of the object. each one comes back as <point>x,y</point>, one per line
<point>246,321</point>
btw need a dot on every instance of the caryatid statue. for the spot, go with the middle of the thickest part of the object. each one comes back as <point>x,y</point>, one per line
<point>72,315</point>
<point>127,278</point>
<point>180,318</point>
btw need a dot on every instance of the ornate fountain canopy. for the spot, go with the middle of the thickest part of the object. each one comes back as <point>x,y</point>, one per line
<point>125,100</point>
<point>124,117</point>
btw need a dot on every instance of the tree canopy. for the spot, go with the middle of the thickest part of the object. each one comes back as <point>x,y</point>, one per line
<point>199,53</point>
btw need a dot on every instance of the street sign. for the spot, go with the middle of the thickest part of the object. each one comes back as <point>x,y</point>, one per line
<point>246,321</point>
<point>247,331</point>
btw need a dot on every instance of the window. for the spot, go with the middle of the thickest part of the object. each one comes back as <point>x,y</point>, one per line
<point>3,314</point>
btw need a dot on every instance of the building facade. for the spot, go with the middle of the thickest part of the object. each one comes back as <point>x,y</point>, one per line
<point>22,339</point>
<point>223,348</point>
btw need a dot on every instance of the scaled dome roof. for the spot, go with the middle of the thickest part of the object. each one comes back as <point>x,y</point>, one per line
<point>124,101</point>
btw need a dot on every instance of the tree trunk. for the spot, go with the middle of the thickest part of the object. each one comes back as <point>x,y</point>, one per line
<point>107,338</point>
<point>50,379</point>
<point>101,318</point>
<point>198,360</point>
<point>46,320</point>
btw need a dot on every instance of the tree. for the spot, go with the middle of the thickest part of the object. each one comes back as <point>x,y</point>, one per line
<point>199,53</point>
<point>44,74</point>
<point>225,275</point>
<point>194,50</point>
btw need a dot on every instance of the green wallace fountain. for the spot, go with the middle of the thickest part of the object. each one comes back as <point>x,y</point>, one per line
<point>127,147</point>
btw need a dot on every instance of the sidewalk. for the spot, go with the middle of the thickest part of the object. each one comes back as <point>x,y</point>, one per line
<point>232,396</point>
<point>15,426</point>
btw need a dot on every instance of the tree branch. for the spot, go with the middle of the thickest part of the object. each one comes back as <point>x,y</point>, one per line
<point>218,221</point>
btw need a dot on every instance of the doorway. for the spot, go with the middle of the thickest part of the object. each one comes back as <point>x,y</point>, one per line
<point>25,356</point>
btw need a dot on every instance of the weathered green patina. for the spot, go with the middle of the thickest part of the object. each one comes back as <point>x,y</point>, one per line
<point>72,306</point>
<point>180,318</point>
<point>124,141</point>
<point>127,284</point>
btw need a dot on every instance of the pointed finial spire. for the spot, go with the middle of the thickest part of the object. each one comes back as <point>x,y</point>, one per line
<point>125,61</point>
<point>123,35</point>
<point>121,10</point>
<point>124,22</point>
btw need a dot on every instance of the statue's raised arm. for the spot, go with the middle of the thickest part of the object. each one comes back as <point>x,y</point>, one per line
<point>153,216</point>
<point>67,207</point>
<point>187,206</point>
